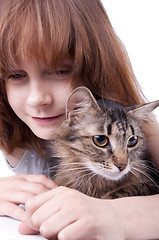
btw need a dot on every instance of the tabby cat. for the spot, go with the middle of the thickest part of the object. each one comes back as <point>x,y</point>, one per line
<point>101,148</point>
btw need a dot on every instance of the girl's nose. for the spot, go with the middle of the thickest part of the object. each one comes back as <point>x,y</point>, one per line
<point>39,96</point>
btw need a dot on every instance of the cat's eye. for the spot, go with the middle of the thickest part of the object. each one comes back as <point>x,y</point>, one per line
<point>100,140</point>
<point>132,141</point>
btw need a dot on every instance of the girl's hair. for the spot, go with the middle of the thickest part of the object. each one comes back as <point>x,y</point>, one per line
<point>49,31</point>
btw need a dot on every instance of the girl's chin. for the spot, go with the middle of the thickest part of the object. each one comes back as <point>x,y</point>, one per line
<point>44,135</point>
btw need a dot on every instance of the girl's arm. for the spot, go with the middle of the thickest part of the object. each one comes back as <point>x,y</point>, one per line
<point>64,213</point>
<point>140,216</point>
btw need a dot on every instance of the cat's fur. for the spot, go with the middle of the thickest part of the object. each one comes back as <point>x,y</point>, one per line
<point>119,168</point>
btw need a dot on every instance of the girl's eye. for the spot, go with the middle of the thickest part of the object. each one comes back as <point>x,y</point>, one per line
<point>132,141</point>
<point>16,76</point>
<point>59,72</point>
<point>100,140</point>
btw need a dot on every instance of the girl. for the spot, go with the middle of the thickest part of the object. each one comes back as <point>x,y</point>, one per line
<point>47,48</point>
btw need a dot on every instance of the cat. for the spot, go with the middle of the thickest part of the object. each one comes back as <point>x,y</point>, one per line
<point>100,149</point>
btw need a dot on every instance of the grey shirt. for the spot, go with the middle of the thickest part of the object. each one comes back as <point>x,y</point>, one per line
<point>30,163</point>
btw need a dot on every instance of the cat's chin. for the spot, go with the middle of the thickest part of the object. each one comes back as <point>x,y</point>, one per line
<point>114,176</point>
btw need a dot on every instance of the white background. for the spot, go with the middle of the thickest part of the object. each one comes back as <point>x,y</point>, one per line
<point>136,22</point>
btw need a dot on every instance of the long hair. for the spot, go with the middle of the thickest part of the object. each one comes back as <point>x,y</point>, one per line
<point>49,31</point>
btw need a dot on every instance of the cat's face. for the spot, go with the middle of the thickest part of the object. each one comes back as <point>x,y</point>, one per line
<point>107,141</point>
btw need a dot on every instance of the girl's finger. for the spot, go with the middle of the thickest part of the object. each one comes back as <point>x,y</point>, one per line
<point>89,229</point>
<point>47,182</point>
<point>55,223</point>
<point>36,216</point>
<point>34,205</point>
<point>26,230</point>
<point>12,210</point>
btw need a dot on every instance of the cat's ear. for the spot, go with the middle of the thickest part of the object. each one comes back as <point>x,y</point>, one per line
<point>143,111</point>
<point>80,101</point>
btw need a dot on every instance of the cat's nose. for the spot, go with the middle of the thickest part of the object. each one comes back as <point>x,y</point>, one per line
<point>120,166</point>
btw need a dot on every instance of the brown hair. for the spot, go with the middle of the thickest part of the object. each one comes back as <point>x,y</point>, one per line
<point>51,30</point>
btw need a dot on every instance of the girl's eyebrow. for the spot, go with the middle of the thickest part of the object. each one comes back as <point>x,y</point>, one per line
<point>67,62</point>
<point>14,70</point>
<point>65,65</point>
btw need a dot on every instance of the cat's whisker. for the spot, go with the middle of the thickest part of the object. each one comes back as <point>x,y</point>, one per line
<point>153,168</point>
<point>80,182</point>
<point>79,179</point>
<point>155,171</point>
<point>68,163</point>
<point>52,169</point>
<point>137,176</point>
<point>146,175</point>
<point>63,164</point>
<point>61,156</point>
<point>95,174</point>
<point>68,170</point>
<point>148,161</point>
<point>48,170</point>
<point>72,171</point>
<point>84,175</point>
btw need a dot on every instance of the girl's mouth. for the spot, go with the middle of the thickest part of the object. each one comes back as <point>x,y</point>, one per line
<point>45,120</point>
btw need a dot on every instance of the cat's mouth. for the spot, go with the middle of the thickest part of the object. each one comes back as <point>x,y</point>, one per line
<point>110,172</point>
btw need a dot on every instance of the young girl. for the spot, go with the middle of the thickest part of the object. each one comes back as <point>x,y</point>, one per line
<point>47,48</point>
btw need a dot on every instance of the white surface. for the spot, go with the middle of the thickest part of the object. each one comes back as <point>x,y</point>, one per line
<point>136,22</point>
<point>9,231</point>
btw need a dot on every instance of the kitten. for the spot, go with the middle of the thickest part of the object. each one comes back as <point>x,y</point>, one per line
<point>101,148</point>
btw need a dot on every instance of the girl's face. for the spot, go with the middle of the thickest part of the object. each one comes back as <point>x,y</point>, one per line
<point>38,96</point>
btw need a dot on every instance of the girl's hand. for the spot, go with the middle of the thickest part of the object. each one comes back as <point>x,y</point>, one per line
<point>17,190</point>
<point>64,213</point>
